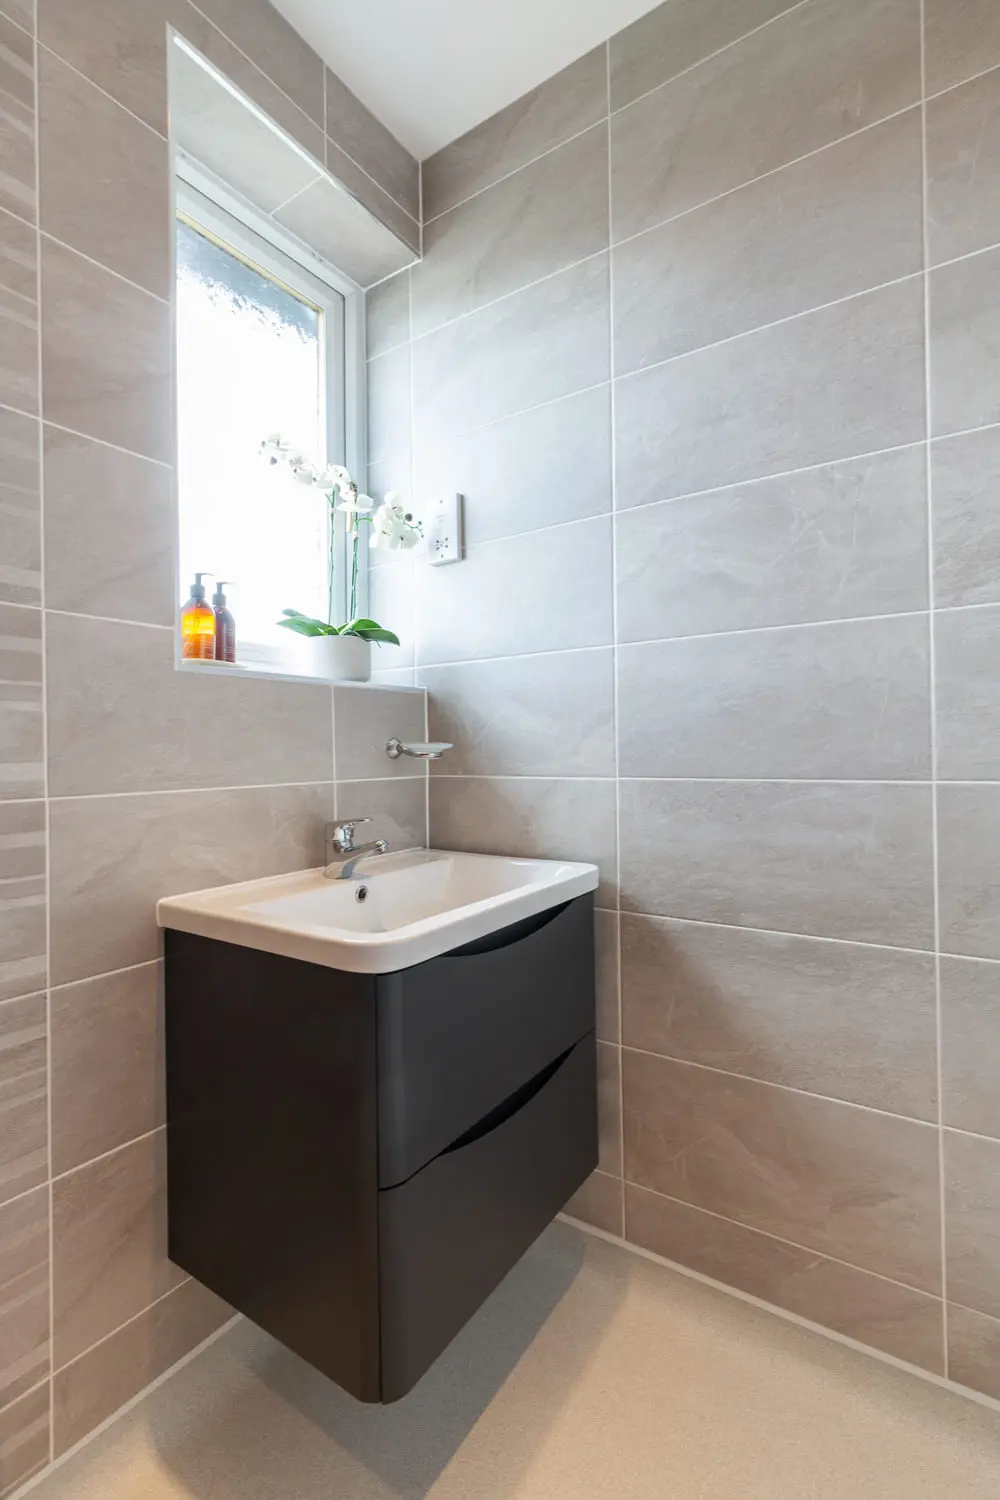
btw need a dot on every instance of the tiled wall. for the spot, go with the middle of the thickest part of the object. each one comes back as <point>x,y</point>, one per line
<point>669,339</point>
<point>121,779</point>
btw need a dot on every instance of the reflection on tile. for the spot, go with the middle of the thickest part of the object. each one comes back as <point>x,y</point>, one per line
<point>969,869</point>
<point>110,520</point>
<point>972,1211</point>
<point>24,1294</point>
<point>832,861</point>
<point>264,35</point>
<point>118,44</point>
<point>609,1108</point>
<point>824,228</point>
<point>379,206</point>
<point>114,857</point>
<point>965,344</point>
<point>364,721</point>
<point>565,447</point>
<point>754,107</point>
<point>397,809</point>
<point>536,818</point>
<point>559,108</point>
<point>22,740</point>
<point>355,240</point>
<point>91,1389</point>
<point>548,591</point>
<point>847,1182</point>
<point>24,1439</point>
<point>104,178</point>
<point>547,216</point>
<point>358,132</point>
<point>853,1023</point>
<point>18,314</point>
<point>387,314</point>
<point>598,1202</point>
<point>845,541</point>
<point>109,1244</point>
<point>389,405</point>
<point>23,1095</point>
<point>966,518</point>
<point>970,1048</point>
<point>606,944</point>
<point>901,1322</point>
<point>967,658</point>
<point>106,355</point>
<point>107,1064</point>
<point>846,379</point>
<point>22,898</point>
<point>535,346</point>
<point>849,701</point>
<point>963,38</point>
<point>17,120</point>
<point>525,715</point>
<point>974,1350</point>
<point>20,518</point>
<point>963,169</point>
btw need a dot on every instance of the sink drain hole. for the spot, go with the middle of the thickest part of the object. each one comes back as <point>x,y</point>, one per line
<point>361,894</point>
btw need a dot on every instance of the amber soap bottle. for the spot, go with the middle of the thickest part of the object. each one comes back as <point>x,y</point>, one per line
<point>197,625</point>
<point>225,625</point>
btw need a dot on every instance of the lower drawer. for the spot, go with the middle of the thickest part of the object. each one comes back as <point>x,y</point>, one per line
<point>450,1234</point>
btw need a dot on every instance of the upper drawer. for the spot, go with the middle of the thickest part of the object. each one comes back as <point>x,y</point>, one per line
<point>457,1035</point>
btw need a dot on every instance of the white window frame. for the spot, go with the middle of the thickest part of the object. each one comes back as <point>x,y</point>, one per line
<point>205,200</point>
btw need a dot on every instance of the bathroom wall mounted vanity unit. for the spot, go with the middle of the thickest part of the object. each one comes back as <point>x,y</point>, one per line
<point>380,1090</point>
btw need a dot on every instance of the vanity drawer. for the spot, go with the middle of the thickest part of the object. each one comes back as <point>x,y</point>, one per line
<point>457,1035</point>
<point>449,1235</point>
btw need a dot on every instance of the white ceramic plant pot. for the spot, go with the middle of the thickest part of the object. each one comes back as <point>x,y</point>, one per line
<point>340,658</point>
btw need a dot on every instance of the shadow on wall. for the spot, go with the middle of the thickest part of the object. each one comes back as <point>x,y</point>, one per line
<point>225,1439</point>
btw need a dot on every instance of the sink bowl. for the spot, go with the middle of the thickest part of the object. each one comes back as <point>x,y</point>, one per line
<point>398,909</point>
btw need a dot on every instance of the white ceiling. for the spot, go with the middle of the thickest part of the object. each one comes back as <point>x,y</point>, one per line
<point>434,69</point>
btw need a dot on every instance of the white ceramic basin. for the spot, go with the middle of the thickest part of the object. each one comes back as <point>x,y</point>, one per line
<point>397,910</point>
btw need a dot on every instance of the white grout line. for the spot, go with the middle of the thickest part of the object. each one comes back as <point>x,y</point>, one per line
<point>39,1187</point>
<point>44,46</point>
<point>69,984</point>
<point>101,266</point>
<point>76,614</point>
<point>121,1326</point>
<point>101,442</point>
<point>105,1155</point>
<point>185,791</point>
<point>961,84</point>
<point>273,213</point>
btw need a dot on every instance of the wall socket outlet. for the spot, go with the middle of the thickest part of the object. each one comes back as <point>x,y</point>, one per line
<point>443,532</point>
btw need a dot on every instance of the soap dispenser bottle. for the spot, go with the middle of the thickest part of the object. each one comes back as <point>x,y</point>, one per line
<point>225,625</point>
<point>198,624</point>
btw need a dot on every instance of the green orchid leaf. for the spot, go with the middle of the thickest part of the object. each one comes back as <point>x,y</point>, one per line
<point>304,625</point>
<point>378,635</point>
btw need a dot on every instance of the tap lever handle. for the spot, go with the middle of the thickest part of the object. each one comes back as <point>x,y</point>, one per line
<point>340,835</point>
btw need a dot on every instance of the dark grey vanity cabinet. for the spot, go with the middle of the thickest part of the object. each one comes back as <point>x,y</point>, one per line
<point>356,1161</point>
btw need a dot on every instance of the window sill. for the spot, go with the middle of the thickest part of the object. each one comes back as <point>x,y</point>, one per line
<point>283,673</point>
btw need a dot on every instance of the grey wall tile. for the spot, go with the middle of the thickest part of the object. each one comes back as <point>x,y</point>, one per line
<point>389,405</point>
<point>598,1202</point>
<point>559,108</point>
<point>22,898</point>
<point>548,591</point>
<point>24,1438</point>
<point>24,1294</point>
<point>609,1108</point>
<point>22,738</point>
<point>114,857</point>
<point>108,1080</point>
<point>967,660</point>
<point>20,511</point>
<point>754,107</point>
<point>547,216</point>
<point>847,1182</point>
<point>106,356</point>
<point>365,721</point>
<point>970,1048</point>
<point>110,531</point>
<point>853,1023</point>
<point>339,226</point>
<point>965,336</point>
<point>23,1095</point>
<point>91,1389</point>
<point>966,518</point>
<point>844,380</point>
<point>397,809</point>
<point>526,716</point>
<point>21,11</point>
<point>832,861</point>
<point>18,314</point>
<point>676,36</point>
<point>606,943</point>
<point>390,474</point>
<point>963,169</point>
<point>850,701</point>
<point>974,1350</point>
<point>963,38</point>
<point>969,869</point>
<point>846,540</point>
<point>535,819</point>
<point>266,37</point>
<point>378,203</point>
<point>565,447</point>
<point>104,184</point>
<point>122,718</point>
<point>17,120</point>
<point>535,346</point>
<point>905,1323</point>
<point>825,228</point>
<point>119,45</point>
<point>972,1212</point>
<point>391,602</point>
<point>387,314</point>
<point>358,132</point>
<point>109,1244</point>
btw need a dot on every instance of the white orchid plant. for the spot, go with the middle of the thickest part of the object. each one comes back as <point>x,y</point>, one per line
<point>393,528</point>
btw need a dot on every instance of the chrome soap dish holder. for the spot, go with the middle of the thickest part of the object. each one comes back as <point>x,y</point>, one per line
<point>431,751</point>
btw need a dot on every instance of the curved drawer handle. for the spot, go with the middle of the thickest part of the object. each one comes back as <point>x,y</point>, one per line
<point>511,1106</point>
<point>495,942</point>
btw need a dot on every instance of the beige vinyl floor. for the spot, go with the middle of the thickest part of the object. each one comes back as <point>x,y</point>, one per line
<point>590,1374</point>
